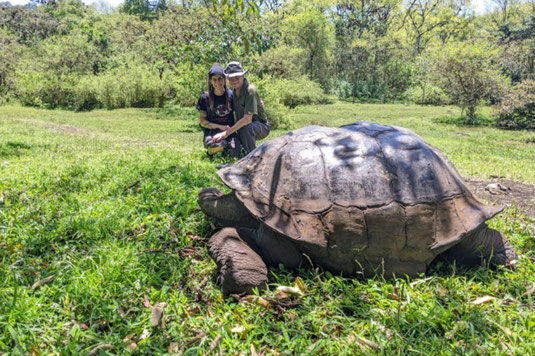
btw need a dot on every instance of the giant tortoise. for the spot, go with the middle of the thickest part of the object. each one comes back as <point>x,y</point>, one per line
<point>361,199</point>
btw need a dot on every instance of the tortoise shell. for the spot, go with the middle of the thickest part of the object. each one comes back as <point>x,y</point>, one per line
<point>361,192</point>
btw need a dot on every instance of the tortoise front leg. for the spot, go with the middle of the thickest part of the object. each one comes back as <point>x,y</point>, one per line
<point>241,268</point>
<point>483,244</point>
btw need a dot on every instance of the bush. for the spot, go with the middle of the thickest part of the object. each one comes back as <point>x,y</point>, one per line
<point>45,89</point>
<point>427,94</point>
<point>341,88</point>
<point>133,87</point>
<point>517,109</point>
<point>189,84</point>
<point>294,92</point>
<point>280,95</point>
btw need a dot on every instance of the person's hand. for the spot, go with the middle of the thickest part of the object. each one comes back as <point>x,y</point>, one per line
<point>220,136</point>
<point>223,127</point>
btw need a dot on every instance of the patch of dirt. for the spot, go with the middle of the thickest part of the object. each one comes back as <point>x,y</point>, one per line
<point>67,129</point>
<point>504,192</point>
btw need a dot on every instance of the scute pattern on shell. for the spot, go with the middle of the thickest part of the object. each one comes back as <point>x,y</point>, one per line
<point>360,191</point>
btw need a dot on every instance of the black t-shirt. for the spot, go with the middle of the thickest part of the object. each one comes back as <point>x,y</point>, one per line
<point>222,114</point>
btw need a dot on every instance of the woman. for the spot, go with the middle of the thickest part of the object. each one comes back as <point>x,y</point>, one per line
<point>215,109</point>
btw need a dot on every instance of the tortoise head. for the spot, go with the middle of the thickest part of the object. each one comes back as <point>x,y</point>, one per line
<point>225,208</point>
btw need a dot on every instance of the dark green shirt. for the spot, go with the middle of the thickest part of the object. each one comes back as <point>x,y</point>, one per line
<point>248,102</point>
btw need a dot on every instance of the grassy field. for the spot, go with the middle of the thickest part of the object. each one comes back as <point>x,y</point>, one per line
<point>99,223</point>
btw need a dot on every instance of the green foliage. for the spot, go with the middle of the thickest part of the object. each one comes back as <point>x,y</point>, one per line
<point>280,95</point>
<point>277,113</point>
<point>136,86</point>
<point>372,46</point>
<point>477,120</point>
<point>468,75</point>
<point>427,94</point>
<point>146,10</point>
<point>292,93</point>
<point>45,89</point>
<point>283,61</point>
<point>311,32</point>
<point>191,82</point>
<point>517,109</point>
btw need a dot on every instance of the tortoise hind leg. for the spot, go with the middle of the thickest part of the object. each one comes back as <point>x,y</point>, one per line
<point>483,244</point>
<point>241,268</point>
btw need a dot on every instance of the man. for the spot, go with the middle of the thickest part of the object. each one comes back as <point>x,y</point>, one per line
<point>251,122</point>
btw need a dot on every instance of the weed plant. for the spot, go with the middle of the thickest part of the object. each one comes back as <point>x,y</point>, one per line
<point>100,210</point>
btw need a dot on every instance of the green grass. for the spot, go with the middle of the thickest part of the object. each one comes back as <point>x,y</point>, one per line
<point>87,197</point>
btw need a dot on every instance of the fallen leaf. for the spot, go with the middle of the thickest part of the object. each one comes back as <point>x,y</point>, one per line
<point>483,300</point>
<point>290,290</point>
<point>253,350</point>
<point>214,343</point>
<point>193,311</point>
<point>132,346</point>
<point>368,343</point>
<point>238,329</point>
<point>393,296</point>
<point>173,348</point>
<point>42,282</point>
<point>507,331</point>
<point>511,263</point>
<point>530,291</point>
<point>144,334</point>
<point>198,336</point>
<point>83,326</point>
<point>146,302</point>
<point>256,300</point>
<point>283,295</point>
<point>95,350</point>
<point>389,333</point>
<point>128,338</point>
<point>156,313</point>
<point>420,281</point>
<point>441,291</point>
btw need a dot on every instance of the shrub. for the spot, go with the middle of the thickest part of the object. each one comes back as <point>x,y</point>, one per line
<point>281,94</point>
<point>85,94</point>
<point>189,84</point>
<point>45,89</point>
<point>427,94</point>
<point>137,86</point>
<point>294,92</point>
<point>517,109</point>
<point>341,88</point>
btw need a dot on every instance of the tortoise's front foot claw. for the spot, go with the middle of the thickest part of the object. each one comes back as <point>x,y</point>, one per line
<point>241,268</point>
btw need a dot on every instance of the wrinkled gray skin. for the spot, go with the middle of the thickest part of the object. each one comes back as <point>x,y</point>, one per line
<point>363,199</point>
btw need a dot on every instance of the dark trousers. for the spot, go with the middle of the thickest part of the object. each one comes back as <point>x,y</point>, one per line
<point>251,133</point>
<point>231,145</point>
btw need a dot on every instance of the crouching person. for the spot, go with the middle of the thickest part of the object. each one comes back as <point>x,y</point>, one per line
<point>251,121</point>
<point>216,115</point>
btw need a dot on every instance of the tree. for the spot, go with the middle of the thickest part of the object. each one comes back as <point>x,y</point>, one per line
<point>428,19</point>
<point>468,74</point>
<point>146,10</point>
<point>359,23</point>
<point>311,31</point>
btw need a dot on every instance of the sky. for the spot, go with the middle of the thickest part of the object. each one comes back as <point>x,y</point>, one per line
<point>479,5</point>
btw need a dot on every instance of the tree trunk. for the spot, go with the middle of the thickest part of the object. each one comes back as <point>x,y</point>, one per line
<point>356,73</point>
